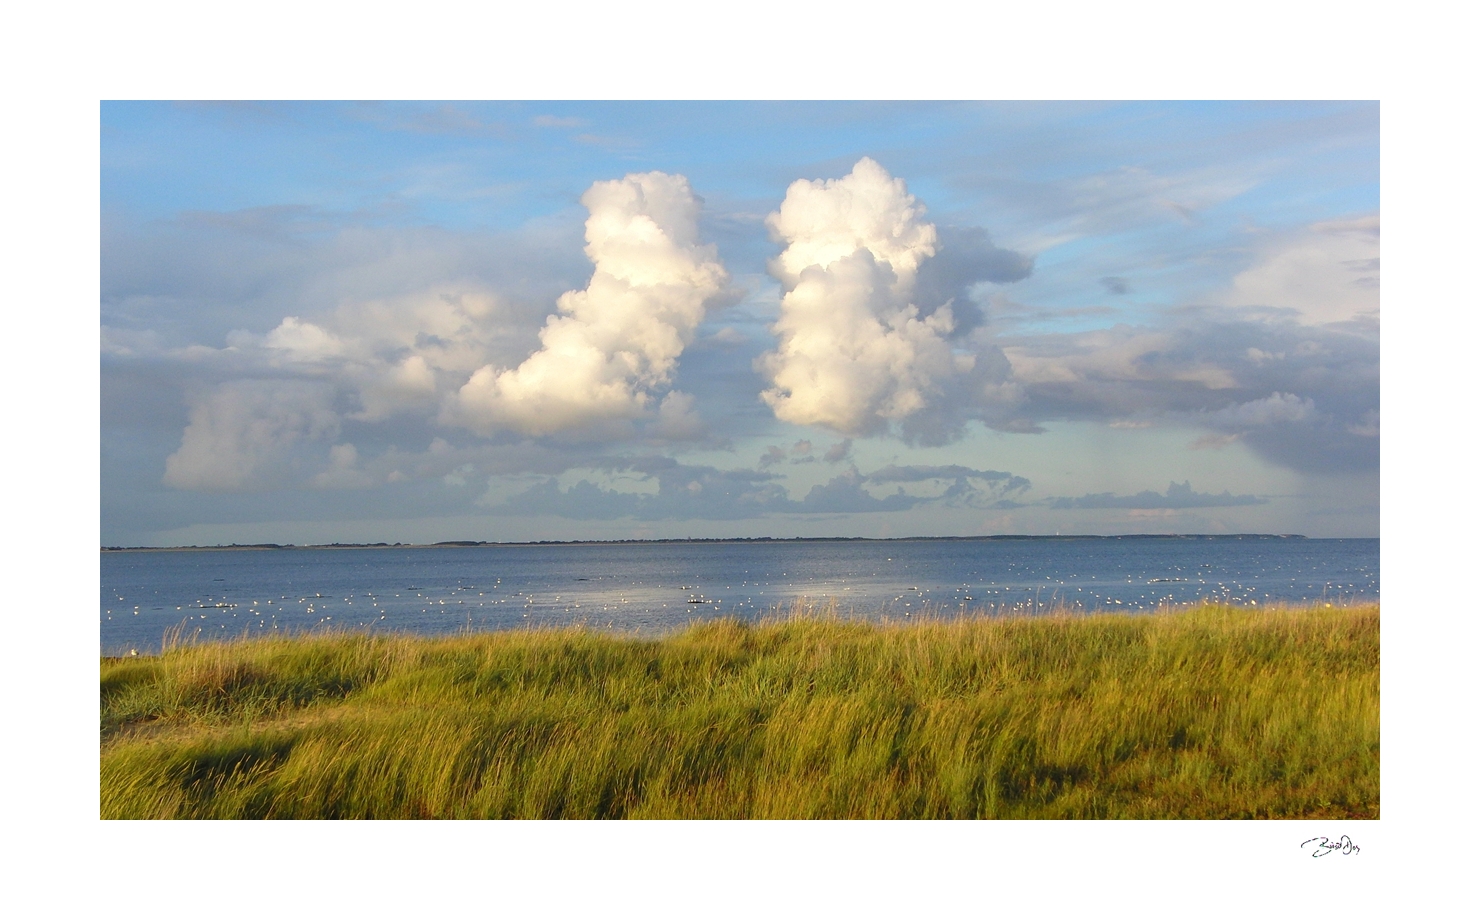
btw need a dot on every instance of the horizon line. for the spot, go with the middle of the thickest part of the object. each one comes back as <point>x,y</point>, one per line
<point>456,544</point>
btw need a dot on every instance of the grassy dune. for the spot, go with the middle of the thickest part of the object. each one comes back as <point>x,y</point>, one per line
<point>1210,712</point>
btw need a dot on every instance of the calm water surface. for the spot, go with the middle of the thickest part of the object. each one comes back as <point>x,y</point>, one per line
<point>651,587</point>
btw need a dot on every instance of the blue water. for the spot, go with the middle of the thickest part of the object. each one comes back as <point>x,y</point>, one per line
<point>651,587</point>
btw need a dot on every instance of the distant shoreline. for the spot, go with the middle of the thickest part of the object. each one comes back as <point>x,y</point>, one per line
<point>463,544</point>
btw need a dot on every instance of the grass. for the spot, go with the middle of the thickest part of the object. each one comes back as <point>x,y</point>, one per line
<point>1208,712</point>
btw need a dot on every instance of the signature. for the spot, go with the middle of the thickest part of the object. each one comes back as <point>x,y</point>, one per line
<point>1325,846</point>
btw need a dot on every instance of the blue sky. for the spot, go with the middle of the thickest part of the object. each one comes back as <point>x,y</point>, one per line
<point>334,321</point>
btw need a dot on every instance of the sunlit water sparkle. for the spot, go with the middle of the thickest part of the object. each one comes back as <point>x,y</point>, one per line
<point>652,587</point>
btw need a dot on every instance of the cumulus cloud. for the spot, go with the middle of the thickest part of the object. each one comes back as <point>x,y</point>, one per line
<point>856,351</point>
<point>392,355</point>
<point>243,430</point>
<point>825,220</point>
<point>1176,497</point>
<point>304,342</point>
<point>405,357</point>
<point>620,338</point>
<point>1328,272</point>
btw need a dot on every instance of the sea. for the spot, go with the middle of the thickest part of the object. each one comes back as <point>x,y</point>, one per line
<point>648,588</point>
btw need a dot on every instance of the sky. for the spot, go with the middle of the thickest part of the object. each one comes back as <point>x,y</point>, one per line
<point>412,322</point>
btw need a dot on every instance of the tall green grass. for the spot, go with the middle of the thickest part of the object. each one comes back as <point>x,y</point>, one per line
<point>1211,712</point>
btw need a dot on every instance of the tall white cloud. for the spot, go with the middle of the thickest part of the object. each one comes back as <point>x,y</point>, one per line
<point>854,352</point>
<point>620,338</point>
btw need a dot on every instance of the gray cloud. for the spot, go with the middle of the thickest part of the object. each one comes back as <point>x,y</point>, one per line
<point>1272,410</point>
<point>839,451</point>
<point>771,457</point>
<point>240,432</point>
<point>1006,482</point>
<point>1177,496</point>
<point>965,257</point>
<point>686,492</point>
<point>800,452</point>
<point>195,278</point>
<point>1303,396</point>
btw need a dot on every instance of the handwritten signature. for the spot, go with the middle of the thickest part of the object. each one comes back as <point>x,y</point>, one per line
<point>1325,846</point>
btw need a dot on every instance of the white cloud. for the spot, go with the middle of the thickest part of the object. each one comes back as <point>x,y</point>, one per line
<point>825,220</point>
<point>304,342</point>
<point>398,354</point>
<point>243,429</point>
<point>854,353</point>
<point>1273,409</point>
<point>619,338</point>
<point>405,353</point>
<point>1329,272</point>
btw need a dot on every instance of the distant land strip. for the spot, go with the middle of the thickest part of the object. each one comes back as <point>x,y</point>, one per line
<point>455,544</point>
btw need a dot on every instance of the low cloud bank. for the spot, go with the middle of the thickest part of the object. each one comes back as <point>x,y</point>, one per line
<point>689,492</point>
<point>1177,496</point>
<point>1303,396</point>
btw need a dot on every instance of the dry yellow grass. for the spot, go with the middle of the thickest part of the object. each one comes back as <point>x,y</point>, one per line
<point>1209,712</point>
